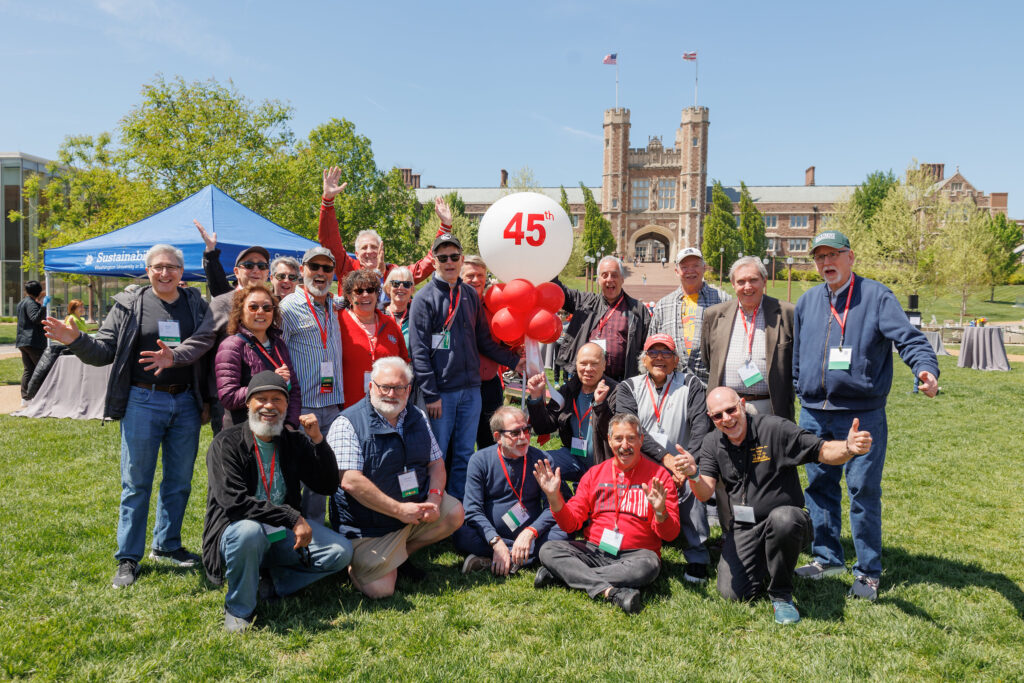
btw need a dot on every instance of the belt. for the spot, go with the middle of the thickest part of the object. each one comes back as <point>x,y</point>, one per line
<point>755,397</point>
<point>168,388</point>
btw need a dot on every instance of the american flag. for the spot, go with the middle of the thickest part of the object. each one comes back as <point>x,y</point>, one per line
<point>690,56</point>
<point>610,58</point>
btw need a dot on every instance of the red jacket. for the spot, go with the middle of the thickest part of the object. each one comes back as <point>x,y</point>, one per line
<point>595,500</point>
<point>356,355</point>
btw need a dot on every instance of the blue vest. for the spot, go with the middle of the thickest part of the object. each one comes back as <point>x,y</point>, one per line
<point>386,454</point>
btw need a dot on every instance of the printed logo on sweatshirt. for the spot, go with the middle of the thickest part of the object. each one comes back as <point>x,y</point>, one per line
<point>759,454</point>
<point>632,500</point>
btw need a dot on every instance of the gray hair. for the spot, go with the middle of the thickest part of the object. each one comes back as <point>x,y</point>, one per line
<point>643,355</point>
<point>616,260</point>
<point>393,363</point>
<point>285,260</point>
<point>497,422</point>
<point>748,261</point>
<point>399,273</point>
<point>625,419</point>
<point>369,233</point>
<point>165,249</point>
<point>474,260</point>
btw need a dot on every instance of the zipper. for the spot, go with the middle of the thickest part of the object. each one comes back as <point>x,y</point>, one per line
<point>824,361</point>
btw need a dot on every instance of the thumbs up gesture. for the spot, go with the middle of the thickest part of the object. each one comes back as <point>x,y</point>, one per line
<point>858,442</point>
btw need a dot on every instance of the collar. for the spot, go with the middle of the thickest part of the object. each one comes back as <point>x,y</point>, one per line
<point>835,295</point>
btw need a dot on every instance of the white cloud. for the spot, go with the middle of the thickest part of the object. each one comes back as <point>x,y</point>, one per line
<point>581,133</point>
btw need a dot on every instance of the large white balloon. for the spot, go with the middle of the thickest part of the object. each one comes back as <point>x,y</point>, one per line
<point>525,235</point>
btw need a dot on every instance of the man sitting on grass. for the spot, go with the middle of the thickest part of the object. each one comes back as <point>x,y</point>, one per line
<point>630,504</point>
<point>254,535</point>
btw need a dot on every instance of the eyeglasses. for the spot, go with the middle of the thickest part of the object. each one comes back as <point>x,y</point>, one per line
<point>326,267</point>
<point>266,308</point>
<point>660,353</point>
<point>364,290</point>
<point>828,255</point>
<point>734,410</point>
<point>443,258</point>
<point>286,276</point>
<point>259,265</point>
<point>391,388</point>
<point>516,433</point>
<point>402,283</point>
<point>165,268</point>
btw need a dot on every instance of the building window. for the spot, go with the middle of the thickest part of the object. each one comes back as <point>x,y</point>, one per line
<point>773,243</point>
<point>640,195</point>
<point>693,203</point>
<point>771,221</point>
<point>797,244</point>
<point>607,142</point>
<point>798,221</point>
<point>575,219</point>
<point>666,194</point>
<point>696,141</point>
<point>826,219</point>
<point>615,203</point>
<point>956,187</point>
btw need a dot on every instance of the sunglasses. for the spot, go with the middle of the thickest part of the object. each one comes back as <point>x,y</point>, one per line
<point>326,267</point>
<point>444,258</point>
<point>364,290</point>
<point>286,276</point>
<point>266,308</point>
<point>249,265</point>
<point>402,283</point>
<point>661,353</point>
<point>728,411</point>
<point>516,433</point>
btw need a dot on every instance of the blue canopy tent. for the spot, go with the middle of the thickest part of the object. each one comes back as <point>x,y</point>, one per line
<point>121,253</point>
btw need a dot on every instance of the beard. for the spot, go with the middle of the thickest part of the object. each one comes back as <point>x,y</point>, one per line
<point>266,430</point>
<point>388,409</point>
<point>313,289</point>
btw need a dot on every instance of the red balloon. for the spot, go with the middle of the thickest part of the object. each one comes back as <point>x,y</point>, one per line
<point>493,297</point>
<point>519,295</point>
<point>544,326</point>
<point>550,297</point>
<point>505,326</point>
<point>517,343</point>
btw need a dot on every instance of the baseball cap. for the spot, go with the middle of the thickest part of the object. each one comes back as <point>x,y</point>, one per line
<point>830,238</point>
<point>665,339</point>
<point>255,248</point>
<point>268,380</point>
<point>689,251</point>
<point>446,240</point>
<point>317,251</point>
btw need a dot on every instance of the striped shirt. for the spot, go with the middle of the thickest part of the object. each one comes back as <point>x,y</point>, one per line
<point>736,356</point>
<point>306,346</point>
<point>668,319</point>
<point>343,441</point>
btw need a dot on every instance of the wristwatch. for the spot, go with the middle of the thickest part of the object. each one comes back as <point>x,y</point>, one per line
<point>494,541</point>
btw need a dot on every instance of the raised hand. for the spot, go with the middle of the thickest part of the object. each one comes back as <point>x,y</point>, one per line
<point>549,482</point>
<point>601,392</point>
<point>209,238</point>
<point>311,426</point>
<point>159,360</point>
<point>331,187</point>
<point>685,463</point>
<point>535,385</point>
<point>656,496</point>
<point>284,373</point>
<point>858,442</point>
<point>443,212</point>
<point>58,331</point>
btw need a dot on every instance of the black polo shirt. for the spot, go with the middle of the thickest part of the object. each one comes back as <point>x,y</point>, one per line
<point>763,466</point>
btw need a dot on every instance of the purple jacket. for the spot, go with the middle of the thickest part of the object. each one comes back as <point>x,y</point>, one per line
<point>237,362</point>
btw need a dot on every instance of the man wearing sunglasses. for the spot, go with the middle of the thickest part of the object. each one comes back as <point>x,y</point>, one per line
<point>755,459</point>
<point>284,275</point>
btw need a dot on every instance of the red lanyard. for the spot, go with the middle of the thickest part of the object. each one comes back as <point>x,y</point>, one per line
<point>579,420</point>
<point>752,330</point>
<point>607,316</point>
<point>452,307</point>
<point>842,322</point>
<point>522,484</point>
<point>371,338</point>
<point>327,318</point>
<point>263,476</point>
<point>654,402</point>
<point>279,363</point>
<point>615,486</point>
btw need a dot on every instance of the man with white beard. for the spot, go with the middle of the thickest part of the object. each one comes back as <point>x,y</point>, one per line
<point>254,536</point>
<point>310,326</point>
<point>392,500</point>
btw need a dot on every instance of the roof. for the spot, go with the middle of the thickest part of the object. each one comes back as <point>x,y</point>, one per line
<point>790,194</point>
<point>489,195</point>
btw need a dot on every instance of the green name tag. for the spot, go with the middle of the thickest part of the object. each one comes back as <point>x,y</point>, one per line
<point>839,359</point>
<point>274,533</point>
<point>611,541</point>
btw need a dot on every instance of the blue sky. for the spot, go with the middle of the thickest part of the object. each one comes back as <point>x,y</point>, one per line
<point>459,90</point>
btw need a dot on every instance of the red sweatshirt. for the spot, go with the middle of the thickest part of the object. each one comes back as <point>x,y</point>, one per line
<point>358,354</point>
<point>595,502</point>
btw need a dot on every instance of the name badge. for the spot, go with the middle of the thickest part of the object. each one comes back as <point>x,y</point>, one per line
<point>169,332</point>
<point>515,517</point>
<point>743,513</point>
<point>366,382</point>
<point>749,374</point>
<point>839,359</point>
<point>408,484</point>
<point>611,541</point>
<point>578,447</point>
<point>659,435</point>
<point>441,341</point>
<point>326,377</point>
<point>274,533</point>
<point>603,343</point>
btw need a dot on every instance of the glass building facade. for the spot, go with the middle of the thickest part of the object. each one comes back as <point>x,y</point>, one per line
<point>18,235</point>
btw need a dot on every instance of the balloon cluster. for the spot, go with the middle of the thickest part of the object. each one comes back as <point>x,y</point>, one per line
<point>523,310</point>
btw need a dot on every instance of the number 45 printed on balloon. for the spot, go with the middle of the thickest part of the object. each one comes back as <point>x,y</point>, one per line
<point>534,233</point>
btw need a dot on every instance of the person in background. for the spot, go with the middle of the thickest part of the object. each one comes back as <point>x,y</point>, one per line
<point>400,288</point>
<point>284,275</point>
<point>30,338</point>
<point>76,309</point>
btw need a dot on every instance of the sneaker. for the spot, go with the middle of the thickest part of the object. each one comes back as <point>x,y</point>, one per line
<point>816,570</point>
<point>864,587</point>
<point>233,624</point>
<point>628,599</point>
<point>179,557</point>
<point>696,573</point>
<point>127,572</point>
<point>475,563</point>
<point>410,572</point>
<point>544,578</point>
<point>785,612</point>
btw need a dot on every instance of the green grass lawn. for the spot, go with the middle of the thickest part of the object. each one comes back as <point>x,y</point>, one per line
<point>8,332</point>
<point>10,370</point>
<point>951,606</point>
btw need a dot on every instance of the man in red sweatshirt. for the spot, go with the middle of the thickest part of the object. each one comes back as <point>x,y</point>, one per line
<point>631,507</point>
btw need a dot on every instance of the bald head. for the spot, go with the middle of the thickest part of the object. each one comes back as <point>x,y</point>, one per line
<point>727,410</point>
<point>729,396</point>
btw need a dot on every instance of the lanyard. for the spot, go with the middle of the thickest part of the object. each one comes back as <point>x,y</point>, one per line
<point>371,338</point>
<point>752,330</point>
<point>842,322</point>
<point>260,349</point>
<point>327,318</point>
<point>263,476</point>
<point>615,486</point>
<point>664,397</point>
<point>452,307</point>
<point>522,484</point>
<point>579,420</point>
<point>607,316</point>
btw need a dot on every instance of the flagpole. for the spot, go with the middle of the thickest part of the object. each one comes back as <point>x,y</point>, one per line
<point>616,82</point>
<point>696,62</point>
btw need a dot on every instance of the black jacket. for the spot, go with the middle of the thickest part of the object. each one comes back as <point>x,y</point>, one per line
<point>234,475</point>
<point>547,418</point>
<point>30,324</point>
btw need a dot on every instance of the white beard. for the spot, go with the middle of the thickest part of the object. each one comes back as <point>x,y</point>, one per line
<point>387,410</point>
<point>266,430</point>
<point>313,289</point>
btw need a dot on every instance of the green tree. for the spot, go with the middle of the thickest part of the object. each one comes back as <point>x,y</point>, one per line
<point>597,230</point>
<point>963,246</point>
<point>522,180</point>
<point>755,243</point>
<point>576,265</point>
<point>868,197</point>
<point>720,231</point>
<point>1002,262</point>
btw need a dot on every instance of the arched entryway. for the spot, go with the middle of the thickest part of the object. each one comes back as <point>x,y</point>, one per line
<point>651,244</point>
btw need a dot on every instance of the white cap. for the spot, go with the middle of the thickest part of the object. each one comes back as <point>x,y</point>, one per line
<point>689,251</point>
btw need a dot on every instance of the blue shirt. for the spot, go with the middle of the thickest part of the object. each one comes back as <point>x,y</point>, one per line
<point>302,334</point>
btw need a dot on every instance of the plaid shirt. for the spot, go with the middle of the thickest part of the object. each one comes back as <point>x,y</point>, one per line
<point>343,441</point>
<point>668,319</point>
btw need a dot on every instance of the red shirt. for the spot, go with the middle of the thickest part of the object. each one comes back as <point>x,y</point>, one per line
<point>357,356</point>
<point>613,327</point>
<point>595,502</point>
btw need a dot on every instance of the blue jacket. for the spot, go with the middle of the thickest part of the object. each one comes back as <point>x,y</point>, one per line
<point>488,495</point>
<point>876,321</point>
<point>438,370</point>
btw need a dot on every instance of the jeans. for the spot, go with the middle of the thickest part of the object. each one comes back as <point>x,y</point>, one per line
<point>29,360</point>
<point>863,482</point>
<point>585,567</point>
<point>468,540</point>
<point>572,467</point>
<point>155,420</point>
<point>460,416</point>
<point>245,549</point>
<point>314,506</point>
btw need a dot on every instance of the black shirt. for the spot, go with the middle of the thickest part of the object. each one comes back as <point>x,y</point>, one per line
<point>155,309</point>
<point>763,467</point>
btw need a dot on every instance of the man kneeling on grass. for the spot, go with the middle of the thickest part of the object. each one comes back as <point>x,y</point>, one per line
<point>254,535</point>
<point>755,458</point>
<point>631,506</point>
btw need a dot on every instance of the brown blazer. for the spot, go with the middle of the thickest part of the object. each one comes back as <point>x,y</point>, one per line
<point>778,322</point>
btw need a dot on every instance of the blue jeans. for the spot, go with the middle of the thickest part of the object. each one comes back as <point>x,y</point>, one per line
<point>314,505</point>
<point>460,415</point>
<point>572,467</point>
<point>155,419</point>
<point>245,549</point>
<point>863,482</point>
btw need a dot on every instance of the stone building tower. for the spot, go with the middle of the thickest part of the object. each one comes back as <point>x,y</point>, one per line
<point>692,141</point>
<point>616,172</point>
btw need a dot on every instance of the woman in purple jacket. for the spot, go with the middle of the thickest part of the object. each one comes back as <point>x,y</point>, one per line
<point>253,344</point>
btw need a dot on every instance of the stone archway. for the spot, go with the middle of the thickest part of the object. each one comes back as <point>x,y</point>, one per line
<point>651,243</point>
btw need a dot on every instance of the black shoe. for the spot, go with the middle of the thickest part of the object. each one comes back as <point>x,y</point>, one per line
<point>179,557</point>
<point>696,573</point>
<point>626,598</point>
<point>127,572</point>
<point>266,591</point>
<point>410,572</point>
<point>544,578</point>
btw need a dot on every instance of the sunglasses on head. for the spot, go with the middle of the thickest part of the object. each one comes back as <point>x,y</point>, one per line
<point>326,267</point>
<point>249,265</point>
<point>364,290</point>
<point>722,413</point>
<point>444,258</point>
<point>402,283</point>
<point>286,276</point>
<point>253,306</point>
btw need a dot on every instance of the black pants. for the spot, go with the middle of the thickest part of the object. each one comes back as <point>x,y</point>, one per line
<point>766,550</point>
<point>587,568</point>
<point>491,398</point>
<point>29,358</point>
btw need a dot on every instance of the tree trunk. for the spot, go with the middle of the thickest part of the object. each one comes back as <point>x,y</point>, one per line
<point>963,306</point>
<point>992,295</point>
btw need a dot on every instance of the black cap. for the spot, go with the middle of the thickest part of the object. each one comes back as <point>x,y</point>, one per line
<point>445,240</point>
<point>268,380</point>
<point>255,248</point>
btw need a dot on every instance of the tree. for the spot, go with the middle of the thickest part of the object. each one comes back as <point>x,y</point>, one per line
<point>464,228</point>
<point>1002,262</point>
<point>522,180</point>
<point>720,231</point>
<point>751,225</point>
<point>868,197</point>
<point>597,230</point>
<point>963,247</point>
<point>576,265</point>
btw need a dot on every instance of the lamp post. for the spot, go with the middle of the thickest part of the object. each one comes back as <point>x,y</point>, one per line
<point>772,254</point>
<point>721,264</point>
<point>589,259</point>
<point>789,292</point>
<point>765,262</point>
